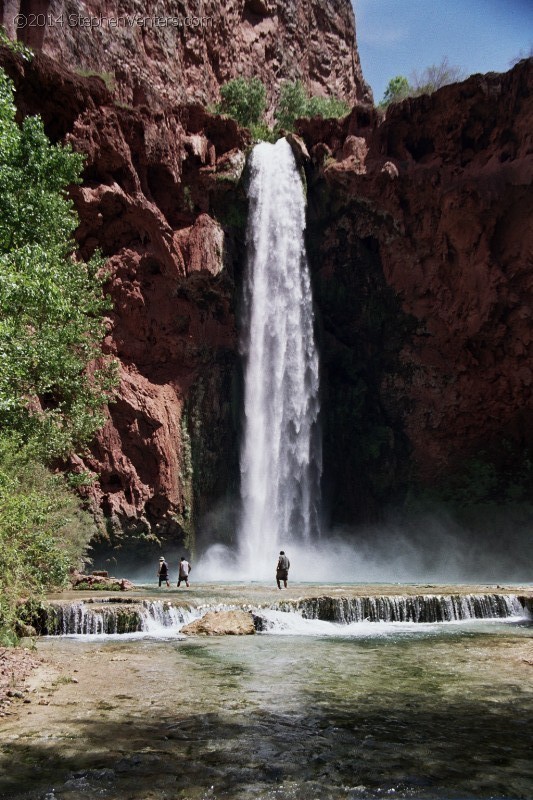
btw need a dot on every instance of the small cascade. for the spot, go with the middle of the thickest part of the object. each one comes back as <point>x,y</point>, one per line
<point>80,618</point>
<point>153,617</point>
<point>419,608</point>
<point>160,618</point>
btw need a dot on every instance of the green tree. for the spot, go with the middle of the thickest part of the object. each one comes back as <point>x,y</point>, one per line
<point>244,100</point>
<point>326,107</point>
<point>53,380</point>
<point>398,88</point>
<point>292,104</point>
<point>51,302</point>
<point>425,82</point>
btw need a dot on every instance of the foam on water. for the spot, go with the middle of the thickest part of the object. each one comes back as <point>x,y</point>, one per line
<point>283,623</point>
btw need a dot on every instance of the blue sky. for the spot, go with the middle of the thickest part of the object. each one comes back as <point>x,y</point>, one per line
<point>398,37</point>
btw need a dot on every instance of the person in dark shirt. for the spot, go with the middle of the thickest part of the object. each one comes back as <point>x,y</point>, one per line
<point>282,569</point>
<point>163,572</point>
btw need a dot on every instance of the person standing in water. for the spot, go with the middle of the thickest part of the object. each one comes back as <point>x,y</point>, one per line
<point>163,572</point>
<point>184,570</point>
<point>282,569</point>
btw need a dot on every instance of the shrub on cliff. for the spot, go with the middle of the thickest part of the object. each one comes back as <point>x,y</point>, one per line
<point>398,88</point>
<point>244,100</point>
<point>294,103</point>
<point>429,80</point>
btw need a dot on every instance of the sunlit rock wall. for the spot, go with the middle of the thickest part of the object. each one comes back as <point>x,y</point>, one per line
<point>160,200</point>
<point>162,53</point>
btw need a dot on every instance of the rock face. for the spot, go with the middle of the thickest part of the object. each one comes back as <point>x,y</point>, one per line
<point>221,623</point>
<point>154,201</point>
<point>422,244</point>
<point>164,53</point>
<point>81,581</point>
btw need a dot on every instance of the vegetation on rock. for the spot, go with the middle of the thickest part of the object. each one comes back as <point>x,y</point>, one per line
<point>54,381</point>
<point>245,101</point>
<point>429,80</point>
<point>294,103</point>
<point>43,531</point>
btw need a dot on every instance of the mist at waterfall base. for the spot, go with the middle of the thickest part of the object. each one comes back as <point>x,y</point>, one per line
<point>435,549</point>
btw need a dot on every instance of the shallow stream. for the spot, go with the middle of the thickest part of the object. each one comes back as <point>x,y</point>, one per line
<point>428,712</point>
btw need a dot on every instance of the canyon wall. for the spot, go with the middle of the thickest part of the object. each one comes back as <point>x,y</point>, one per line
<point>420,242</point>
<point>168,53</point>
<point>154,201</point>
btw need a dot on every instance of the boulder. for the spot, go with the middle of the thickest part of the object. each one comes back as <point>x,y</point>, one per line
<point>221,623</point>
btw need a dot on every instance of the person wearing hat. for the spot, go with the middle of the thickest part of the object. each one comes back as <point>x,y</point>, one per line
<point>163,572</point>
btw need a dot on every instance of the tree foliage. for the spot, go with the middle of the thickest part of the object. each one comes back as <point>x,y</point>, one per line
<point>398,88</point>
<point>294,103</point>
<point>51,303</point>
<point>53,380</point>
<point>429,80</point>
<point>42,531</point>
<point>244,100</point>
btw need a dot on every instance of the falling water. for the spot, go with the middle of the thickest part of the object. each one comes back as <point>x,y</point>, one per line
<point>340,616</point>
<point>281,455</point>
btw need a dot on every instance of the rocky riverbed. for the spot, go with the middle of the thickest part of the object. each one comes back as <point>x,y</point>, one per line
<point>424,710</point>
<point>16,666</point>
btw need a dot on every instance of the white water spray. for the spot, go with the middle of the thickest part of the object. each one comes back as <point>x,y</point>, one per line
<point>281,460</point>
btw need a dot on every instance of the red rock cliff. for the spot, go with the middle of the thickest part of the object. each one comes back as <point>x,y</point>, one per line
<point>158,175</point>
<point>437,200</point>
<point>166,53</point>
<point>154,185</point>
<point>421,243</point>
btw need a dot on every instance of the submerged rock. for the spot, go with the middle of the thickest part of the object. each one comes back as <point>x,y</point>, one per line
<point>221,623</point>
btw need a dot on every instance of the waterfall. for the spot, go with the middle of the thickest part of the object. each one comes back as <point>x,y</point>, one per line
<point>281,461</point>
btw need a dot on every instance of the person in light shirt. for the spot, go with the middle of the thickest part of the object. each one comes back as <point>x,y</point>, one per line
<point>282,569</point>
<point>184,570</point>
